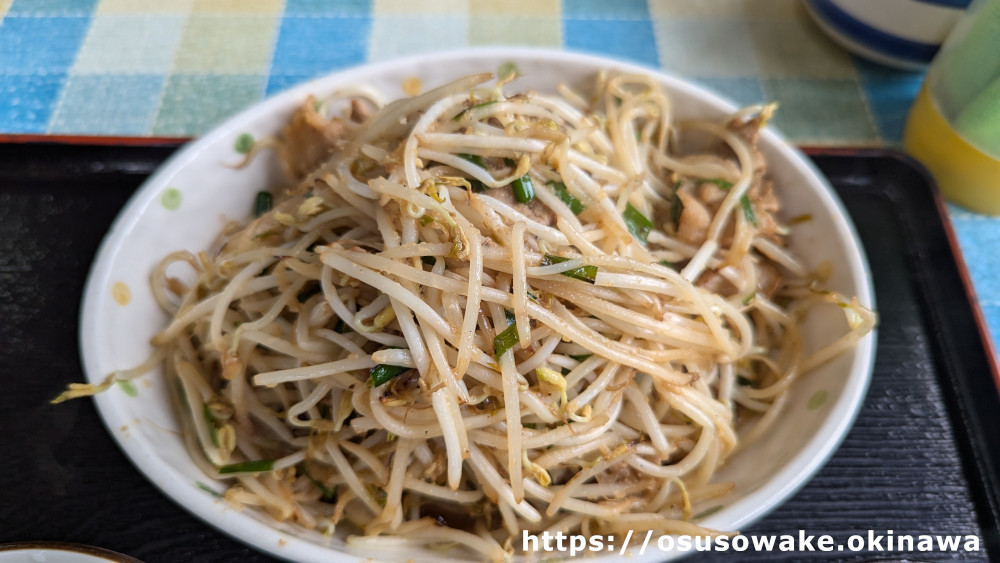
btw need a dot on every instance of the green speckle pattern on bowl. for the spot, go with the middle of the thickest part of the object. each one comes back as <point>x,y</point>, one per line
<point>817,400</point>
<point>244,143</point>
<point>128,387</point>
<point>171,199</point>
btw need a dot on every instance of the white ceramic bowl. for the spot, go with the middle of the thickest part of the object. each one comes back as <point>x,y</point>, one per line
<point>186,202</point>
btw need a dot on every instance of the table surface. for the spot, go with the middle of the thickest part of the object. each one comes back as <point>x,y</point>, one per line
<point>178,67</point>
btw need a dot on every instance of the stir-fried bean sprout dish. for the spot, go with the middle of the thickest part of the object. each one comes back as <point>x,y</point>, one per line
<point>472,312</point>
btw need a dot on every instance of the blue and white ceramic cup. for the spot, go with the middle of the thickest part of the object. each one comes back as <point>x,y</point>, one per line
<point>900,33</point>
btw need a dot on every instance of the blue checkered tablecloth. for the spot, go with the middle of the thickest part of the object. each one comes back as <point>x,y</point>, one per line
<point>178,67</point>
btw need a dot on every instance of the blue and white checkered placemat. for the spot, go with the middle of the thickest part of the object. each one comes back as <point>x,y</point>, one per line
<point>178,67</point>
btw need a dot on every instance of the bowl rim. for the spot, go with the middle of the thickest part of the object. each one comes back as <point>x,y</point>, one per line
<point>45,549</point>
<point>269,537</point>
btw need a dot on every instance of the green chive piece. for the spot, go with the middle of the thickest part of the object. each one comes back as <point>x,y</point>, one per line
<point>208,489</point>
<point>473,158</point>
<point>476,185</point>
<point>244,143</point>
<point>668,264</point>
<point>748,210</point>
<point>563,194</point>
<point>723,184</point>
<point>744,200</point>
<point>328,494</point>
<point>524,190</point>
<point>211,425</point>
<point>749,298</point>
<point>581,357</point>
<point>256,466</point>
<point>509,315</point>
<point>484,104</point>
<point>128,387</point>
<point>467,110</point>
<point>505,341</point>
<point>383,373</point>
<point>638,224</point>
<point>263,203</point>
<point>583,273</point>
<point>676,208</point>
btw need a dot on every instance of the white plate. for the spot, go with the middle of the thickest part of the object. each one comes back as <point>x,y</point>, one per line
<point>59,552</point>
<point>186,202</point>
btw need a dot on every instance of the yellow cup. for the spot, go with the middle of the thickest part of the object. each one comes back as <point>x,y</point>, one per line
<point>966,175</point>
<point>954,124</point>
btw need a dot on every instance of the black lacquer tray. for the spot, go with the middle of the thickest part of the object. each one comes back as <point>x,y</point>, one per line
<point>922,458</point>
